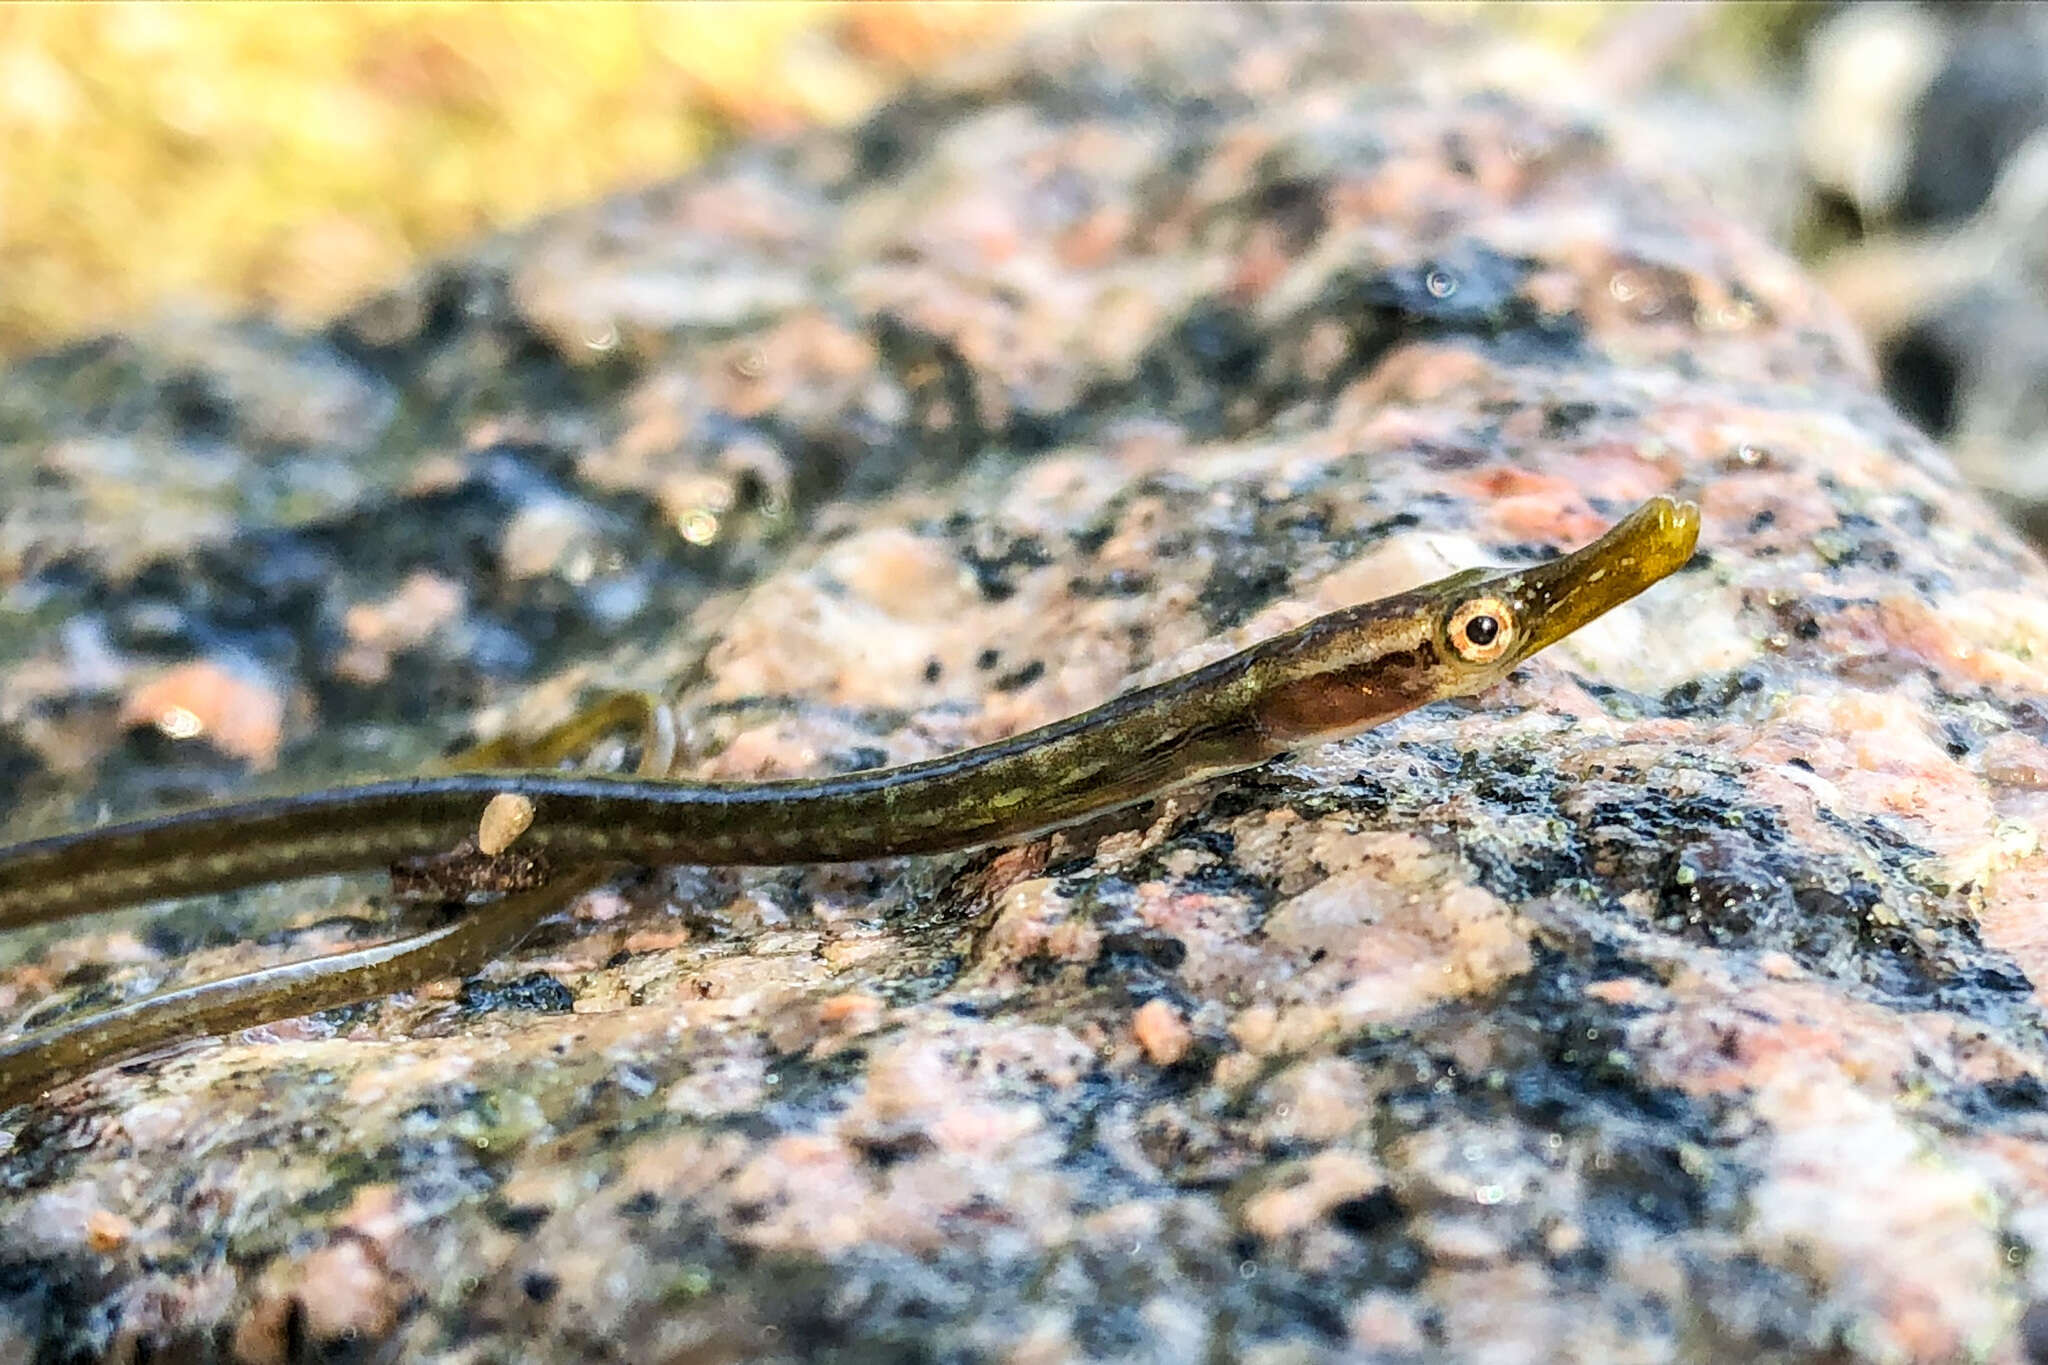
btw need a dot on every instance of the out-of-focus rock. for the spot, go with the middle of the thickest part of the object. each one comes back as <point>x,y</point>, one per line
<point>1971,362</point>
<point>1866,69</point>
<point>1990,96</point>
<point>1679,1000</point>
<point>1928,122</point>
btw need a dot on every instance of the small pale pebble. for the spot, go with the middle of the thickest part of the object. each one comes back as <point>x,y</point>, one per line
<point>1327,1179</point>
<point>981,1129</point>
<point>1462,1242</point>
<point>376,1213</point>
<point>2013,760</point>
<point>1256,1027</point>
<point>1384,1321</point>
<point>1620,990</point>
<point>424,604</point>
<point>151,1123</point>
<point>1563,1239</point>
<point>436,473</point>
<point>852,1011</point>
<point>506,816</point>
<point>346,1293</point>
<point>661,940</point>
<point>841,953</point>
<point>338,1292</point>
<point>1779,966</point>
<point>1073,941</point>
<point>1161,1032</point>
<point>604,906</point>
<point>1044,1343</point>
<point>107,1231</point>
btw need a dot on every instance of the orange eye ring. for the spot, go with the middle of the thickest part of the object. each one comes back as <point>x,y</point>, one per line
<point>1481,630</point>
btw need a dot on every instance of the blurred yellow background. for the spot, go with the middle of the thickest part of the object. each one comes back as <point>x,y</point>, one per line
<point>292,157</point>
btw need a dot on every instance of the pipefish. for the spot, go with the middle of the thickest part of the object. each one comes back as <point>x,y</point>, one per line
<point>1332,677</point>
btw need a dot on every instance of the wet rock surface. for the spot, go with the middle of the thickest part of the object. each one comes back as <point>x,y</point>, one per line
<point>1679,1000</point>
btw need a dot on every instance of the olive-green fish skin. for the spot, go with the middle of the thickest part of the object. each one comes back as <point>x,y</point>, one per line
<point>1557,597</point>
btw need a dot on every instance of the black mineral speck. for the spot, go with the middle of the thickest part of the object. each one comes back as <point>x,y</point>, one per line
<point>536,992</point>
<point>1021,677</point>
<point>519,1219</point>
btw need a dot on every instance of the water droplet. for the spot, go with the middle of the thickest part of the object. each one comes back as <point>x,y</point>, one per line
<point>1246,1270</point>
<point>603,339</point>
<point>1489,1195</point>
<point>771,1079</point>
<point>699,525</point>
<point>178,723</point>
<point>1440,283</point>
<point>1624,287</point>
<point>1733,315</point>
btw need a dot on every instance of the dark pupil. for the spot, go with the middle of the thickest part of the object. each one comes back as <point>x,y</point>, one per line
<point>1482,630</point>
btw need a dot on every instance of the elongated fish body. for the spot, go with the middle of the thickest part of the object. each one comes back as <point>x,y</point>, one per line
<point>1336,675</point>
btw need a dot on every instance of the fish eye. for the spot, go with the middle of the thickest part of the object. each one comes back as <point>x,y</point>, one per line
<point>1481,630</point>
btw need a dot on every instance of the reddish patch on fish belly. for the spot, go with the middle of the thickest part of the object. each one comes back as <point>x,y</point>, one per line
<point>1328,707</point>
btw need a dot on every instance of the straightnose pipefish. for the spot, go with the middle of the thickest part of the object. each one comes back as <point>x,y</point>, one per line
<point>1336,675</point>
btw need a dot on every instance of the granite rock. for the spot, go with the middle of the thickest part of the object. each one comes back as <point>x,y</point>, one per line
<point>1679,1000</point>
